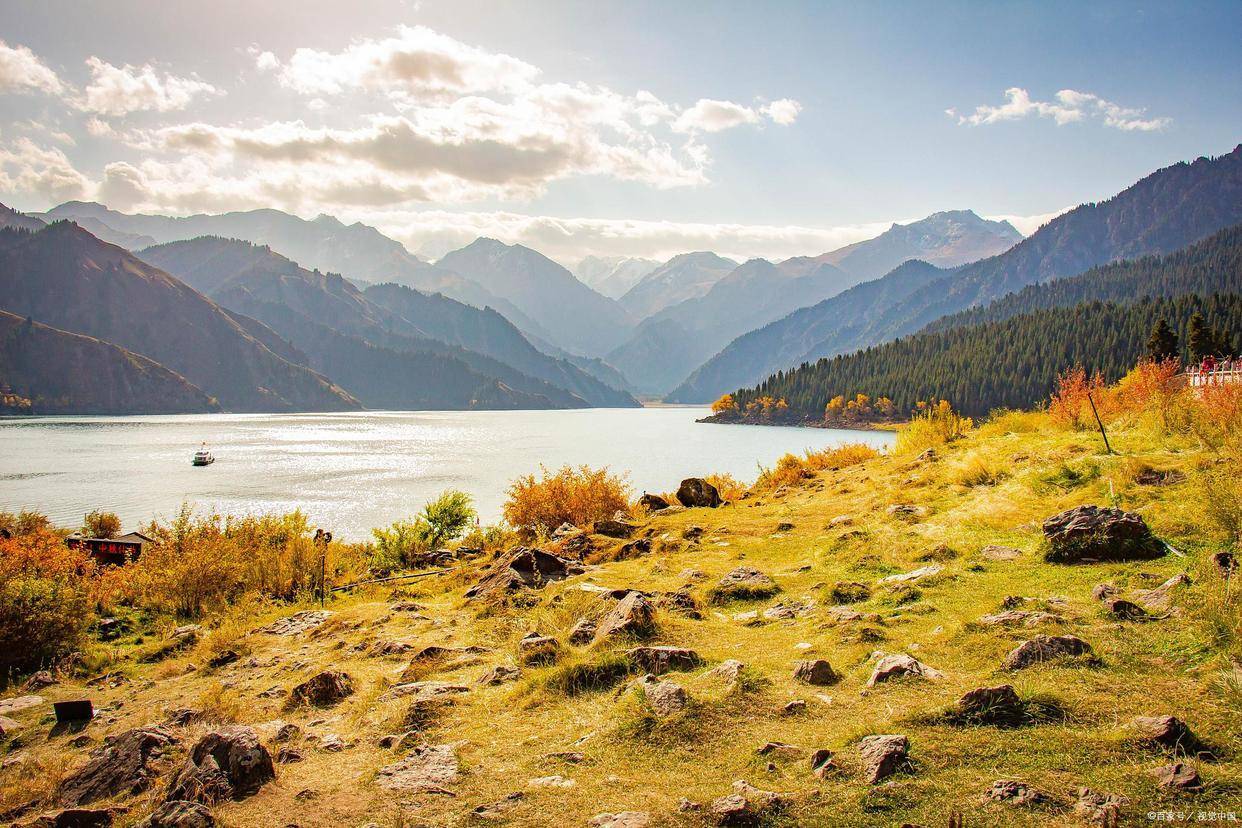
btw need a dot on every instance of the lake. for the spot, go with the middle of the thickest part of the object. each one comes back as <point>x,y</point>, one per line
<point>353,471</point>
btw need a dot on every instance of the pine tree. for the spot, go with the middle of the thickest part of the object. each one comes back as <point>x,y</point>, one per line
<point>1202,339</point>
<point>1163,343</point>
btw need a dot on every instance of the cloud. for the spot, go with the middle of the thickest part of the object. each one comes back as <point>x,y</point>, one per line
<point>120,90</point>
<point>1026,225</point>
<point>27,169</point>
<point>1069,106</point>
<point>783,112</point>
<point>709,115</point>
<point>22,71</point>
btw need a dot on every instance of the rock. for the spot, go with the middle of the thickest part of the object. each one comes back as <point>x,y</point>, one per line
<point>19,703</point>
<point>1101,592</point>
<point>1225,562</point>
<point>784,527</point>
<point>816,671</point>
<point>298,623</point>
<point>1159,477</point>
<point>652,503</point>
<point>582,633</point>
<point>663,696</point>
<point>746,806</point>
<point>1099,533</point>
<point>882,756</point>
<point>633,549</point>
<point>288,755</point>
<point>8,726</point>
<point>427,769</point>
<point>122,766</point>
<point>728,672</point>
<point>524,568</point>
<point>1099,808</point>
<point>917,575</point>
<point>323,690</point>
<point>1168,732</point>
<point>779,750</point>
<point>900,665</point>
<point>743,583</point>
<point>633,616</point>
<point>223,658</point>
<point>843,614</point>
<point>680,602</point>
<point>794,707</point>
<point>229,763</point>
<point>553,781</point>
<point>849,592</point>
<point>179,814</point>
<point>287,732</point>
<point>495,810</point>
<point>538,649</point>
<point>75,818</point>
<point>620,526</point>
<point>697,492</point>
<point>1125,610</point>
<point>624,819</point>
<point>182,716</point>
<point>1160,599</point>
<point>1000,553</point>
<point>660,660</point>
<point>38,681</point>
<point>1045,648</point>
<point>1020,618</point>
<point>398,741</point>
<point>425,691</point>
<point>786,610</point>
<point>991,705</point>
<point>1013,792</point>
<point>332,743</point>
<point>499,674</point>
<point>1178,776</point>
<point>905,511</point>
<point>388,649</point>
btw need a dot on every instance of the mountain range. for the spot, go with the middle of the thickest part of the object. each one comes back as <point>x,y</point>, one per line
<point>612,276</point>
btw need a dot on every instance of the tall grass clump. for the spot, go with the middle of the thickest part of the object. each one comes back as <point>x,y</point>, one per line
<point>576,495</point>
<point>932,425</point>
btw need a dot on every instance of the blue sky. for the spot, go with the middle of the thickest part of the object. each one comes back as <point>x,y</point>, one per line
<point>578,128</point>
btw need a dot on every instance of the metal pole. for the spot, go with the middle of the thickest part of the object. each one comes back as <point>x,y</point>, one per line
<point>1100,423</point>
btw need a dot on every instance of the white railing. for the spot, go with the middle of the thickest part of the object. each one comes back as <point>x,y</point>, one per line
<point>1199,379</point>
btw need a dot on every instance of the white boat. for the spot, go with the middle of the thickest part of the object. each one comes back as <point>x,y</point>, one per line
<point>203,457</point>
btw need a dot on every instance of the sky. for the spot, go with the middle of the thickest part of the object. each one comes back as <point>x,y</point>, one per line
<point>610,128</point>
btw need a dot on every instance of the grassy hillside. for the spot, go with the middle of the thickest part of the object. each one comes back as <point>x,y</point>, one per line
<point>564,742</point>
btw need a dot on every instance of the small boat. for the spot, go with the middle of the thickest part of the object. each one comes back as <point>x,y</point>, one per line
<point>203,457</point>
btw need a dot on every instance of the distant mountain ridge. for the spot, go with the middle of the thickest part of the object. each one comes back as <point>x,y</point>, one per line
<point>612,276</point>
<point>687,276</point>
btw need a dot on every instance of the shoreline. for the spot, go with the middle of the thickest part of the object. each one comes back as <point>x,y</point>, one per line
<point>887,425</point>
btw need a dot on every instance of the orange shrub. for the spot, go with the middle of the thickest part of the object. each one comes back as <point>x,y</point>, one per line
<point>730,487</point>
<point>839,457</point>
<point>789,470</point>
<point>1069,406</point>
<point>725,403</point>
<point>579,496</point>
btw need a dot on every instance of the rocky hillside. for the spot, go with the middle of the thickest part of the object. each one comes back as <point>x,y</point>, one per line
<point>972,630</point>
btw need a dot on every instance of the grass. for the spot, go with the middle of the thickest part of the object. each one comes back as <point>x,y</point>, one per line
<point>1072,734</point>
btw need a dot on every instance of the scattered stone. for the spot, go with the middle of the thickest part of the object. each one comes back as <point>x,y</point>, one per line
<point>1000,553</point>
<point>1125,610</point>
<point>499,674</point>
<point>1045,648</point>
<point>815,671</point>
<point>287,756</point>
<point>1178,776</point>
<point>538,649</point>
<point>1013,792</point>
<point>428,768</point>
<point>789,609</point>
<point>323,690</point>
<point>179,814</point>
<point>553,781</point>
<point>746,806</point>
<point>229,763</point>
<point>729,672</point>
<point>780,750</point>
<point>1160,599</point>
<point>633,616</point>
<point>124,765</point>
<point>19,703</point>
<point>182,716</point>
<point>905,511</point>
<point>624,819</point>
<point>620,526</point>
<point>882,756</point>
<point>841,520</point>
<point>8,726</point>
<point>298,623</point>
<point>822,763</point>
<point>524,568</point>
<point>425,691</point>
<point>1020,618</point>
<point>1225,562</point>
<point>743,583</point>
<point>917,575</point>
<point>496,810</point>
<point>583,632</point>
<point>794,707</point>
<point>1099,533</point>
<point>1099,808</point>
<point>680,602</point>
<point>75,818</point>
<point>1102,592</point>
<point>38,681</point>
<point>1168,732</point>
<point>388,649</point>
<point>332,743</point>
<point>663,696</point>
<point>998,705</point>
<point>660,660</point>
<point>900,665</point>
<point>843,614</point>
<point>652,503</point>
<point>697,492</point>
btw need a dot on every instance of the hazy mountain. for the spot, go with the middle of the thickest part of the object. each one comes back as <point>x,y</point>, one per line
<point>575,317</point>
<point>683,277</point>
<point>1168,209</point>
<point>946,239</point>
<point>20,221</point>
<point>688,333</point>
<point>68,279</point>
<point>612,276</point>
<point>67,373</point>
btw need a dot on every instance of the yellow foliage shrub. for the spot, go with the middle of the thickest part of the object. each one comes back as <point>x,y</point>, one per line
<point>730,487</point>
<point>575,495</point>
<point>839,457</point>
<point>931,426</point>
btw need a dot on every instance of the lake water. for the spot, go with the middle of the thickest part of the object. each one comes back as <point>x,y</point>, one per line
<point>351,472</point>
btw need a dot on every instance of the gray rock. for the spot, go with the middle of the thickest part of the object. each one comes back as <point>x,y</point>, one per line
<point>624,819</point>
<point>1167,732</point>
<point>1178,776</point>
<point>697,492</point>
<point>660,660</point>
<point>428,768</point>
<point>815,671</point>
<point>524,568</point>
<point>633,616</point>
<point>538,649</point>
<point>1099,808</point>
<point>743,583</point>
<point>324,689</point>
<point>1045,648</point>
<point>229,763</point>
<point>122,766</point>
<point>882,756</point>
<point>583,632</point>
<point>1099,533</point>
<point>299,623</point>
<point>746,806</point>
<point>900,665</point>
<point>991,705</point>
<point>663,696</point>
<point>179,814</point>
<point>1013,792</point>
<point>652,503</point>
<point>499,674</point>
<point>1000,553</point>
<point>1160,599</point>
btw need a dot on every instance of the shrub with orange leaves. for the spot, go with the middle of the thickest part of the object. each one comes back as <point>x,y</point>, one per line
<point>839,457</point>
<point>725,404</point>
<point>1069,406</point>
<point>575,495</point>
<point>729,487</point>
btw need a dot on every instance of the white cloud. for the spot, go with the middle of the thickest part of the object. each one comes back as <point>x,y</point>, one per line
<point>1026,225</point>
<point>22,71</point>
<point>783,112</point>
<point>708,115</point>
<point>120,90</point>
<point>27,169</point>
<point>1069,106</point>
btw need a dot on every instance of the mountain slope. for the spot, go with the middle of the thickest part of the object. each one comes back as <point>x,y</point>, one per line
<point>576,317</point>
<point>613,276</point>
<point>65,277</point>
<point>683,277</point>
<point>67,373</point>
<point>19,221</point>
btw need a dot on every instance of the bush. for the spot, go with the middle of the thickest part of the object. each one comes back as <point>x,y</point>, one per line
<point>447,517</point>
<point>578,496</point>
<point>24,522</point>
<point>100,524</point>
<point>442,520</point>
<point>840,457</point>
<point>1069,406</point>
<point>788,471</point>
<point>932,425</point>
<point>729,487</point>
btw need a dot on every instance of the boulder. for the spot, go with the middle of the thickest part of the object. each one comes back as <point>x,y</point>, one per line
<point>620,526</point>
<point>1178,776</point>
<point>428,768</point>
<point>538,649</point>
<point>1099,808</point>
<point>815,671</point>
<point>652,503</point>
<point>1099,533</point>
<point>122,766</point>
<point>900,665</point>
<point>991,705</point>
<point>743,583</point>
<point>229,763</point>
<point>660,660</point>
<point>1013,792</point>
<point>728,672</point>
<point>499,674</point>
<point>38,681</point>
<point>323,690</point>
<point>695,491</point>
<point>1045,648</point>
<point>916,575</point>
<point>524,568</point>
<point>624,819</point>
<point>746,806</point>
<point>582,633</point>
<point>1020,618</point>
<point>179,814</point>
<point>8,726</point>
<point>882,756</point>
<point>1167,732</point>
<point>633,616</point>
<point>298,623</point>
<point>19,703</point>
<point>1124,610</point>
<point>663,696</point>
<point>75,818</point>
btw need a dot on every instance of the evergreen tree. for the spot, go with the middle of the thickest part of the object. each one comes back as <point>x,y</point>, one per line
<point>1202,340</point>
<point>1163,343</point>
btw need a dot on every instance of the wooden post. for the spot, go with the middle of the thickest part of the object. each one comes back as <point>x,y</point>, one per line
<point>1100,423</point>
